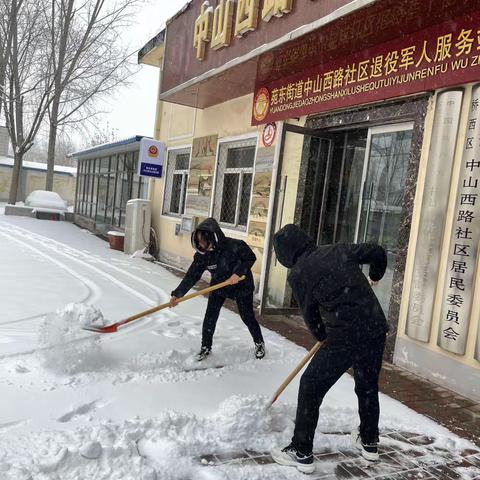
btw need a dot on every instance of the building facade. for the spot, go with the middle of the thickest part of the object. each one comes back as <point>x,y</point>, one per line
<point>357,120</point>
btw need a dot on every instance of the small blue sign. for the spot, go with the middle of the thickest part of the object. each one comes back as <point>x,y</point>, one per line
<point>150,170</point>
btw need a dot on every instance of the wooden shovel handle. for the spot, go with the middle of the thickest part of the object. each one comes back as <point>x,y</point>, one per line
<point>182,299</point>
<point>294,373</point>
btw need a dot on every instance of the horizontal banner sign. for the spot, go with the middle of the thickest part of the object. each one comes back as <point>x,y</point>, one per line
<point>440,56</point>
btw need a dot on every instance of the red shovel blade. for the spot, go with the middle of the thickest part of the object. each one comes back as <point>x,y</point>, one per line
<point>108,329</point>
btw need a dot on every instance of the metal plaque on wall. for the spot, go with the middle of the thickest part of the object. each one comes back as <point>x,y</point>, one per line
<point>462,253</point>
<point>432,217</point>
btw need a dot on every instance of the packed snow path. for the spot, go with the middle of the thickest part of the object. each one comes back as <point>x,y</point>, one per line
<point>133,405</point>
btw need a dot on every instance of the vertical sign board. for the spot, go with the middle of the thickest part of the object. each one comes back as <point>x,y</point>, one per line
<point>432,217</point>
<point>151,157</point>
<point>462,254</point>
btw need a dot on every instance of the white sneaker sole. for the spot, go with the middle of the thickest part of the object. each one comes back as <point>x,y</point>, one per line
<point>371,457</point>
<point>286,461</point>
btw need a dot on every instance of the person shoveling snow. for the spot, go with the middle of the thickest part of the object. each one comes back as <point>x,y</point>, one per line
<point>226,259</point>
<point>341,309</point>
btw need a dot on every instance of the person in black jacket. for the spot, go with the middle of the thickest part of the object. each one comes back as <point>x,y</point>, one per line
<point>340,309</point>
<point>226,259</point>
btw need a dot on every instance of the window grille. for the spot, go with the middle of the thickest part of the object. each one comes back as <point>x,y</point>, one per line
<point>234,183</point>
<point>176,183</point>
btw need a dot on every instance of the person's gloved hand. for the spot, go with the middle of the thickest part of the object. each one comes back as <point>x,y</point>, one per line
<point>234,279</point>
<point>372,283</point>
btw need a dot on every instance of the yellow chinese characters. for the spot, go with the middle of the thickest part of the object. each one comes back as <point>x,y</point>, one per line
<point>222,24</point>
<point>247,16</point>
<point>275,8</point>
<point>203,30</point>
<point>215,26</point>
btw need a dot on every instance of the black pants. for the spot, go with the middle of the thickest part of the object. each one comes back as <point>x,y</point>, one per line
<point>325,368</point>
<point>245,309</point>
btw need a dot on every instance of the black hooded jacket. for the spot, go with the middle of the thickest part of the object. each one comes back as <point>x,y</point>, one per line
<point>334,295</point>
<point>230,256</point>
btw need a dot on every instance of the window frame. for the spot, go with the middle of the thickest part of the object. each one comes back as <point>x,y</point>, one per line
<point>217,197</point>
<point>170,172</point>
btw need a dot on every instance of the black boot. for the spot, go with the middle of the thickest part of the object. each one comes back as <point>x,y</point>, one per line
<point>203,353</point>
<point>259,350</point>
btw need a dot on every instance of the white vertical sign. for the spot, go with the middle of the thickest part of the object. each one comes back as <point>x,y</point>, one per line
<point>432,217</point>
<point>462,254</point>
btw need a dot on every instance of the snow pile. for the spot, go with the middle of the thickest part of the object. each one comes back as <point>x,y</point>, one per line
<point>67,348</point>
<point>80,455</point>
<point>46,200</point>
<point>172,446</point>
<point>241,422</point>
<point>168,447</point>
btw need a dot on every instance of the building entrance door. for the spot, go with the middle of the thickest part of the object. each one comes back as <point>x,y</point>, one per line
<point>365,192</point>
<point>349,189</point>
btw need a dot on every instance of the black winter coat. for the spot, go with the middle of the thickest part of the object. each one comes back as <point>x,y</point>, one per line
<point>230,256</point>
<point>334,295</point>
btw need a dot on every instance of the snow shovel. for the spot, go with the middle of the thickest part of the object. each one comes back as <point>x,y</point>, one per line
<point>297,369</point>
<point>115,326</point>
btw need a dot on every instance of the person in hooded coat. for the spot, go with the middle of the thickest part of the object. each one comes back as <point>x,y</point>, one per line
<point>226,259</point>
<point>341,310</point>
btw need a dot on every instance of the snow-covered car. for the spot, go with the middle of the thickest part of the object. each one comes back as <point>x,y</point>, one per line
<point>44,200</point>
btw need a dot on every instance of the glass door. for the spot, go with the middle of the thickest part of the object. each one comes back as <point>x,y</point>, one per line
<point>381,201</point>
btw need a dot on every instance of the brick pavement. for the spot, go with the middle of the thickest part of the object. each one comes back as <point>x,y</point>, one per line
<point>403,456</point>
<point>459,414</point>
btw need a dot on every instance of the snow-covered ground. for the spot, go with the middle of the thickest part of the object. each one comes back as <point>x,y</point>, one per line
<point>133,405</point>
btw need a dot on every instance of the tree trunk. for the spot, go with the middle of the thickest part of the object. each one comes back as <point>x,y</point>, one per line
<point>16,175</point>
<point>52,142</point>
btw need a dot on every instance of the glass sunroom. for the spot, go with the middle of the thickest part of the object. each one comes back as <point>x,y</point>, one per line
<point>106,179</point>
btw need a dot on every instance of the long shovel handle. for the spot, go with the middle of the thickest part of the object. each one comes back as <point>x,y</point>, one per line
<point>294,373</point>
<point>182,299</point>
<point>114,327</point>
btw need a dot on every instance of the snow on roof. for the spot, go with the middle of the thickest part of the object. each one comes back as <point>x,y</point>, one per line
<point>8,161</point>
<point>154,42</point>
<point>108,148</point>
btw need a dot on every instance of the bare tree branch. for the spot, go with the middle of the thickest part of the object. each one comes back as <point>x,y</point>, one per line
<point>90,60</point>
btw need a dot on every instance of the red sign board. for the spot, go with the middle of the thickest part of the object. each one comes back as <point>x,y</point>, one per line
<point>440,56</point>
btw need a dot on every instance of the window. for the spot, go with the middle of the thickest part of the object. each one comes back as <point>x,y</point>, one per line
<point>234,183</point>
<point>176,182</point>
